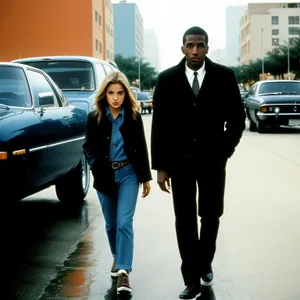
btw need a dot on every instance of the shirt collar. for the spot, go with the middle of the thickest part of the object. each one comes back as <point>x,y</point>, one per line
<point>190,72</point>
<point>108,113</point>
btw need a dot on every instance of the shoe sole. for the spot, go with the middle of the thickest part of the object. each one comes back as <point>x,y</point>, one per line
<point>124,291</point>
<point>194,298</point>
<point>206,283</point>
<point>114,275</point>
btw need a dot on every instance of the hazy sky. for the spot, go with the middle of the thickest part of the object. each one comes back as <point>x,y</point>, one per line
<point>170,19</point>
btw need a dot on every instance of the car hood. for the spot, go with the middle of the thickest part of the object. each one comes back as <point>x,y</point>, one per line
<point>82,99</point>
<point>277,99</point>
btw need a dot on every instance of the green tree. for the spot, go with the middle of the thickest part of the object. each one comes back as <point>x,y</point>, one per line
<point>130,67</point>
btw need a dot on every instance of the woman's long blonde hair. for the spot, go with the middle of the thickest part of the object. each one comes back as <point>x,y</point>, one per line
<point>129,101</point>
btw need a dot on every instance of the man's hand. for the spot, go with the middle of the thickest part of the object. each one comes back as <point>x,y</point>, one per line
<point>163,181</point>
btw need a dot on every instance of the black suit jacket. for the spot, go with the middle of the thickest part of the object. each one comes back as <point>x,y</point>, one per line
<point>97,147</point>
<point>197,135</point>
<point>187,127</point>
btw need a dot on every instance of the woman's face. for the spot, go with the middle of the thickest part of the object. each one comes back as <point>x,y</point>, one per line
<point>115,96</point>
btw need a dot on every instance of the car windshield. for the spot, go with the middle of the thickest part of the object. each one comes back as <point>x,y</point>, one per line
<point>14,89</point>
<point>142,96</point>
<point>68,75</point>
<point>282,87</point>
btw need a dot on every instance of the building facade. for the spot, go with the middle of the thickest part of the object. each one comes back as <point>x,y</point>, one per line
<point>128,30</point>
<point>233,17</point>
<point>151,49</point>
<point>54,27</point>
<point>265,26</point>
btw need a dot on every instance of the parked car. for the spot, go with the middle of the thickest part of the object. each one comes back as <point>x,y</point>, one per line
<point>79,77</point>
<point>41,137</point>
<point>145,101</point>
<point>272,103</point>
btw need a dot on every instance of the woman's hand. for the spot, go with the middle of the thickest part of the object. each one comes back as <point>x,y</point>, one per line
<point>146,189</point>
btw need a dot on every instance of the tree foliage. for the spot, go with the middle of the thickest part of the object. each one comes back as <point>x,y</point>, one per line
<point>130,67</point>
<point>275,62</point>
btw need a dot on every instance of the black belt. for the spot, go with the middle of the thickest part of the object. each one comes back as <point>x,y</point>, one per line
<point>119,164</point>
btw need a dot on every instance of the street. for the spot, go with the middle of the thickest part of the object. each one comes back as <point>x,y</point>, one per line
<point>58,253</point>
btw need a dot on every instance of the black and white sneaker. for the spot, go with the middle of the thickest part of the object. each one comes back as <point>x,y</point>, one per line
<point>114,272</point>
<point>207,276</point>
<point>123,285</point>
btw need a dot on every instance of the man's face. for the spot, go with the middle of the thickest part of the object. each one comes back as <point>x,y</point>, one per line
<point>195,50</point>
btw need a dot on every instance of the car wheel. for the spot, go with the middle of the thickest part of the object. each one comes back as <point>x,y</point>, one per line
<point>252,125</point>
<point>261,127</point>
<point>73,187</point>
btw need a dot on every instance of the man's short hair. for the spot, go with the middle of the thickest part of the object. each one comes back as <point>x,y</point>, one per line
<point>195,30</point>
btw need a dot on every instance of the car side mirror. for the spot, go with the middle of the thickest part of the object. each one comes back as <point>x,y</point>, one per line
<point>46,99</point>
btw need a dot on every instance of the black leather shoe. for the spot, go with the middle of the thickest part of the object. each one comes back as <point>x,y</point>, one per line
<point>207,276</point>
<point>191,292</point>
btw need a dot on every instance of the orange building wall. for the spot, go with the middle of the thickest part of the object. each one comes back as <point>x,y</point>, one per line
<point>45,27</point>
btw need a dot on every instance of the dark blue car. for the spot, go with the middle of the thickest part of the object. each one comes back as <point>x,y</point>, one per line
<point>41,137</point>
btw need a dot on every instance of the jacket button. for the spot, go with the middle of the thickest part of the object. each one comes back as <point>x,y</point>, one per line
<point>108,137</point>
<point>194,104</point>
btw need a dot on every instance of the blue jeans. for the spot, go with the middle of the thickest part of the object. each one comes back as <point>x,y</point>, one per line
<point>118,214</point>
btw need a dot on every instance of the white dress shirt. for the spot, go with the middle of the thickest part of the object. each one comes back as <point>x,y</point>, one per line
<point>190,74</point>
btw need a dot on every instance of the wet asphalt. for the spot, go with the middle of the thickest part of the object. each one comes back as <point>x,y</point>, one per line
<point>52,252</point>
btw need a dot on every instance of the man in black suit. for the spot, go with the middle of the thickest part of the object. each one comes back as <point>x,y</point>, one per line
<point>198,120</point>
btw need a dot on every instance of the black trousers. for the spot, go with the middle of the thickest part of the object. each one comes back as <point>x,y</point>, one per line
<point>197,249</point>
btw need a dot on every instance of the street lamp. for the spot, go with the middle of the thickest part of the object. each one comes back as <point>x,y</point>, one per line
<point>262,50</point>
<point>288,58</point>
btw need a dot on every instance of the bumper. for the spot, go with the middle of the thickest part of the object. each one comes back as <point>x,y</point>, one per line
<point>279,118</point>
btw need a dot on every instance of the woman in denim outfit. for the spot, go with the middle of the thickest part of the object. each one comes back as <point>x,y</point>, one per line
<point>116,151</point>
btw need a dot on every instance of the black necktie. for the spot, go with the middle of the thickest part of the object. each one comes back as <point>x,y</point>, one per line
<point>195,86</point>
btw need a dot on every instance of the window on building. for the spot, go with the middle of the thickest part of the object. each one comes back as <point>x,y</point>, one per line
<point>275,20</point>
<point>99,20</point>
<point>293,20</point>
<point>96,16</point>
<point>96,41</point>
<point>294,30</point>
<point>292,41</point>
<point>107,54</point>
<point>275,31</point>
<point>100,47</point>
<point>275,42</point>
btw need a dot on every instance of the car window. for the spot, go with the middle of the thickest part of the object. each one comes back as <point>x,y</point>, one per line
<point>14,89</point>
<point>253,90</point>
<point>279,87</point>
<point>107,68</point>
<point>100,73</point>
<point>39,85</point>
<point>68,75</point>
<point>142,96</point>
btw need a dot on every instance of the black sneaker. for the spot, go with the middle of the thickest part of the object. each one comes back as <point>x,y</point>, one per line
<point>123,286</point>
<point>191,292</point>
<point>114,271</point>
<point>207,276</point>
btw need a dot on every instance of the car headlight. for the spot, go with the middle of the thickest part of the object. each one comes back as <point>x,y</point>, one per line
<point>276,109</point>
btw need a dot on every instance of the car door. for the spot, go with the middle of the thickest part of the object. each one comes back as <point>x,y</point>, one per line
<point>50,155</point>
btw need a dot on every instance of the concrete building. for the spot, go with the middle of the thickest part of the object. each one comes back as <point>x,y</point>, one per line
<point>151,49</point>
<point>233,17</point>
<point>54,27</point>
<point>128,30</point>
<point>265,26</point>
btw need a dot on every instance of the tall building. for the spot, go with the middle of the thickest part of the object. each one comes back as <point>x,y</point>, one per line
<point>233,17</point>
<point>54,27</point>
<point>128,33</point>
<point>151,50</point>
<point>265,26</point>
